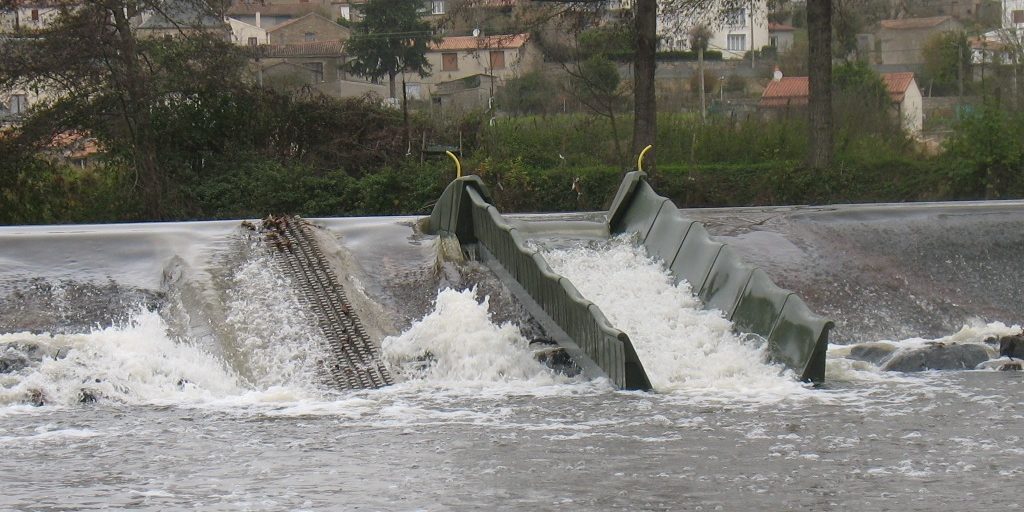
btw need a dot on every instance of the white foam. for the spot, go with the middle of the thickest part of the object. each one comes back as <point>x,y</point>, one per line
<point>683,347</point>
<point>133,363</point>
<point>457,345</point>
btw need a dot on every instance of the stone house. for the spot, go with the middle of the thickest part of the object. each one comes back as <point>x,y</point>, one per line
<point>267,14</point>
<point>313,64</point>
<point>900,41</point>
<point>311,27</point>
<point>31,14</point>
<point>735,31</point>
<point>787,93</point>
<point>500,56</point>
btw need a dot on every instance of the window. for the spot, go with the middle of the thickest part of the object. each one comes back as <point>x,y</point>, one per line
<point>449,62</point>
<point>346,12</point>
<point>253,41</point>
<point>1018,17</point>
<point>35,14</point>
<point>437,7</point>
<point>317,71</point>
<point>736,17</point>
<point>19,103</point>
<point>309,36</point>
<point>497,59</point>
<point>737,43</point>
<point>773,41</point>
<point>413,91</point>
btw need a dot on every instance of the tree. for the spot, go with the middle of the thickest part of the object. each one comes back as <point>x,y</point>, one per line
<point>819,67</point>
<point>700,35</point>
<point>390,39</point>
<point>102,78</point>
<point>947,58</point>
<point>596,84</point>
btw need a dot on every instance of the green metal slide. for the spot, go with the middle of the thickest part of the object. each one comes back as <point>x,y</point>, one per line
<point>796,337</point>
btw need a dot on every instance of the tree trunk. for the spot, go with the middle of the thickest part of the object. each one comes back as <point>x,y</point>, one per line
<point>391,82</point>
<point>819,70</point>
<point>644,108</point>
<point>135,112</point>
<point>405,116</point>
<point>700,67</point>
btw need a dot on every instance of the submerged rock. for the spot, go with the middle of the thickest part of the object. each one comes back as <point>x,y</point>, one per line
<point>873,352</point>
<point>1010,367</point>
<point>547,352</point>
<point>938,356</point>
<point>1012,346</point>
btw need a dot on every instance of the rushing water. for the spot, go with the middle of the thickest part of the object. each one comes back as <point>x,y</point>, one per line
<point>211,402</point>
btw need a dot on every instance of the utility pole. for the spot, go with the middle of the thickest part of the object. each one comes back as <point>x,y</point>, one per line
<point>752,57</point>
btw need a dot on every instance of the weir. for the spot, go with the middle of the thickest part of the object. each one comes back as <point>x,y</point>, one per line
<point>795,336</point>
<point>356,360</point>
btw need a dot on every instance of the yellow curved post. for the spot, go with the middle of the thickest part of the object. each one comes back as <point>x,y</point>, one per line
<point>458,165</point>
<point>640,159</point>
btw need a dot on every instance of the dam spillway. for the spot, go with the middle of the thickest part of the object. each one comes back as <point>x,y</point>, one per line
<point>172,428</point>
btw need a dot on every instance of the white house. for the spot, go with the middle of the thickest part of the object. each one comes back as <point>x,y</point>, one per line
<point>735,31</point>
<point>246,34</point>
<point>33,14</point>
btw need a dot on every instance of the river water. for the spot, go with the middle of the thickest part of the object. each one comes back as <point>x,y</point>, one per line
<point>201,362</point>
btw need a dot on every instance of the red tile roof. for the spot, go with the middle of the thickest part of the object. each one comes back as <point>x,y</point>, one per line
<point>780,27</point>
<point>502,42</point>
<point>332,48</point>
<point>791,91</point>
<point>914,23</point>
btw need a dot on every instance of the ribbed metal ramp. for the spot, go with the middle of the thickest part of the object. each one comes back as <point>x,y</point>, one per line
<point>356,360</point>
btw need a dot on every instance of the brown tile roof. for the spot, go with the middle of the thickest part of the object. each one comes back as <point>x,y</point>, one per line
<point>914,23</point>
<point>332,48</point>
<point>791,91</point>
<point>780,27</point>
<point>503,42</point>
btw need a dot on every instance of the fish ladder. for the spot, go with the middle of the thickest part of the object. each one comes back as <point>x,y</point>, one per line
<point>356,362</point>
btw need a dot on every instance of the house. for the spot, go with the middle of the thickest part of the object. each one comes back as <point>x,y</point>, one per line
<point>780,36</point>
<point>313,64</point>
<point>500,56</point>
<point>992,48</point>
<point>177,18</point>
<point>901,40</point>
<point>267,14</point>
<point>245,34</point>
<point>734,31</point>
<point>30,14</point>
<point>784,93</point>
<point>465,94</point>
<point>311,27</point>
<point>1013,15</point>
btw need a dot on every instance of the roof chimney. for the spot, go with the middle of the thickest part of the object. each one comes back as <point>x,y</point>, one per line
<point>777,75</point>
<point>259,23</point>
